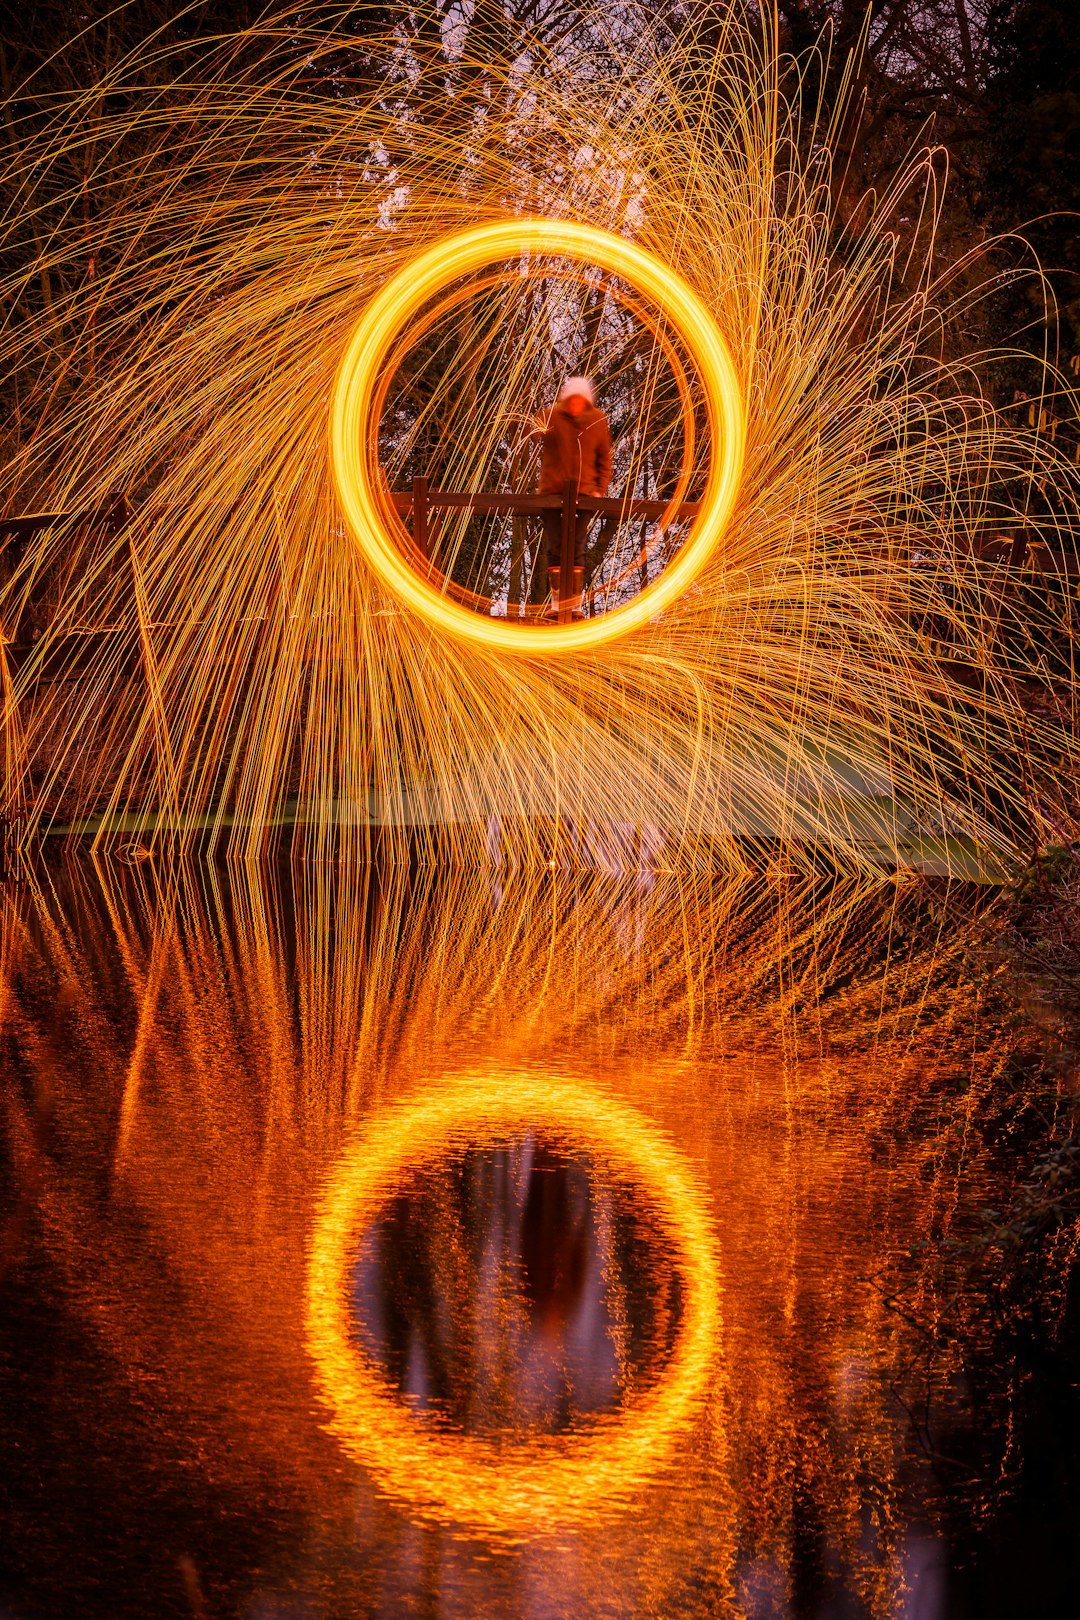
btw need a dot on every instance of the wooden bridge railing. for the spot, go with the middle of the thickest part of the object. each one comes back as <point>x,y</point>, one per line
<point>111,514</point>
<point>422,505</point>
<point>421,502</point>
<point>533,505</point>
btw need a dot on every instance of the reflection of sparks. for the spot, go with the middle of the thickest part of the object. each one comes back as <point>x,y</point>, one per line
<point>285,1010</point>
<point>354,433</point>
<point>530,1484</point>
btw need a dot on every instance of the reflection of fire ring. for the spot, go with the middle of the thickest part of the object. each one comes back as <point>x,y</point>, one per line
<point>354,427</point>
<point>537,1483</point>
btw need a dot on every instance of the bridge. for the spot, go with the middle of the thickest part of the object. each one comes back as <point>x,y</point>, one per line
<point>424,507</point>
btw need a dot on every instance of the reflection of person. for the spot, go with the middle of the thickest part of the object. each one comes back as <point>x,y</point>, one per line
<point>576,445</point>
<point>554,1242</point>
<point>497,1294</point>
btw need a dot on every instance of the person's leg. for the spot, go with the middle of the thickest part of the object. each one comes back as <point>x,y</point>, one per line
<point>552,522</point>
<point>581,535</point>
<point>553,546</point>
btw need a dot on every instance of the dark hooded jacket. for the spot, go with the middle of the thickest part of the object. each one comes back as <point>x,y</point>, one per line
<point>577,447</point>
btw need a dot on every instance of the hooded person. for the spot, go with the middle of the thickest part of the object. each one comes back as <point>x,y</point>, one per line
<point>576,445</point>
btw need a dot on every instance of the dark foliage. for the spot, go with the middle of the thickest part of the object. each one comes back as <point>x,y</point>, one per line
<point>1033,156</point>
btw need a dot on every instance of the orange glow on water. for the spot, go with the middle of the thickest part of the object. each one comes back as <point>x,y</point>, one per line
<point>529,1484</point>
<point>264,1113</point>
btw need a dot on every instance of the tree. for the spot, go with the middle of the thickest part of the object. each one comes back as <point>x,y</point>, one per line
<point>1033,159</point>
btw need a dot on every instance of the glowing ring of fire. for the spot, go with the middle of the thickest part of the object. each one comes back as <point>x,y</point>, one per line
<point>354,427</point>
<point>531,1484</point>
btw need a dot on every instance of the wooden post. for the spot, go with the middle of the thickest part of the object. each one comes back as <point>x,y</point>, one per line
<point>1019,549</point>
<point>420,517</point>
<point>119,512</point>
<point>566,555</point>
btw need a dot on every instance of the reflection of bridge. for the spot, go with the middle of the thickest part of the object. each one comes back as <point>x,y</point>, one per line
<point>423,506</point>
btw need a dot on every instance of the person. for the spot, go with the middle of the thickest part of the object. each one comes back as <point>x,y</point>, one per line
<point>576,445</point>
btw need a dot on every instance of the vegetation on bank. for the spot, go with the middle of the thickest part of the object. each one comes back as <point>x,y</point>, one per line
<point>1029,1247</point>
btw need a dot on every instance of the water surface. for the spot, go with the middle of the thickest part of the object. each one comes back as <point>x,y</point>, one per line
<point>413,1243</point>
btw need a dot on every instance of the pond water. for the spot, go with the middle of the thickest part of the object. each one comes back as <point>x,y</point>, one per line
<point>408,1242</point>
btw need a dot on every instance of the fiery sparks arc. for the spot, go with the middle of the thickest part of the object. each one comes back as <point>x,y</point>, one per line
<point>534,1485</point>
<point>185,251</point>
<point>354,434</point>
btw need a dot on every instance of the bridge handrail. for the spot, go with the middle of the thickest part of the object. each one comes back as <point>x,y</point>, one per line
<point>535,505</point>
